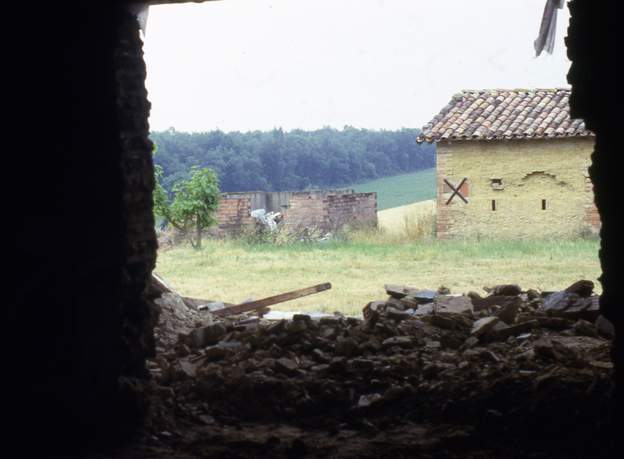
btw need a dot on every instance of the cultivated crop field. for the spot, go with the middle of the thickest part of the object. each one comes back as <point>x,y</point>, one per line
<point>410,222</point>
<point>402,189</point>
<point>233,271</point>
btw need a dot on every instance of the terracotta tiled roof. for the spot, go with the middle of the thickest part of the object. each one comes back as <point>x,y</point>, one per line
<point>505,114</point>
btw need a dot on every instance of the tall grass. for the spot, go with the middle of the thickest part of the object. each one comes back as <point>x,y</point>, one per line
<point>358,268</point>
<point>409,223</point>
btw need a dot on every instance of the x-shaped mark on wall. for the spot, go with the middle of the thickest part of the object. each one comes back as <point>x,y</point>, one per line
<point>456,191</point>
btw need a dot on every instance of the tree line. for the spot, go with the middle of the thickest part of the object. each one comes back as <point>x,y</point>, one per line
<point>294,160</point>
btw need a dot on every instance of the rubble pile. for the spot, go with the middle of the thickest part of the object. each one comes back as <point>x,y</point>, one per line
<point>419,354</point>
<point>176,315</point>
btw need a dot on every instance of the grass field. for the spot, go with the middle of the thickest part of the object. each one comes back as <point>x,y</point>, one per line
<point>232,271</point>
<point>401,189</point>
<point>408,222</point>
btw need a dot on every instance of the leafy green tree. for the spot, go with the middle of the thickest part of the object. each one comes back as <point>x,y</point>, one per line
<point>161,199</point>
<point>194,205</point>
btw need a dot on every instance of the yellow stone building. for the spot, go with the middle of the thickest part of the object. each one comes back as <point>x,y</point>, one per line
<point>512,164</point>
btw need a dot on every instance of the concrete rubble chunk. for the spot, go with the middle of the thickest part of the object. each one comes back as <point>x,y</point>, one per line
<point>481,304</point>
<point>277,327</point>
<point>424,309</point>
<point>408,302</point>
<point>584,328</point>
<point>507,290</point>
<point>572,306</point>
<point>346,347</point>
<point>422,296</point>
<point>559,301</point>
<point>554,350</point>
<point>498,330</point>
<point>184,369</point>
<point>304,365</point>
<point>443,322</point>
<point>401,341</point>
<point>483,325</point>
<point>398,291</point>
<point>605,327</point>
<point>509,310</point>
<point>397,314</point>
<point>583,288</point>
<point>302,317</point>
<point>297,326</point>
<point>370,310</point>
<point>516,329</point>
<point>368,400</point>
<point>320,368</point>
<point>221,350</point>
<point>453,304</point>
<point>286,365</point>
<point>554,323</point>
<point>205,336</point>
<point>471,341</point>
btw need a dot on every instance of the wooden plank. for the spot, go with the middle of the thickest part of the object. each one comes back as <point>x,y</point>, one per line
<point>264,302</point>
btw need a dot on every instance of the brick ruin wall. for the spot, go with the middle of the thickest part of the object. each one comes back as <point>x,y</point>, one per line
<point>331,212</point>
<point>306,211</point>
<point>233,214</point>
<point>138,316</point>
<point>320,210</point>
<point>591,43</point>
<point>81,289</point>
<point>533,174</point>
<point>354,210</point>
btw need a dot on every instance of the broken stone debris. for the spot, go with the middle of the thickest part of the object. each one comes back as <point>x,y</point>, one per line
<point>432,346</point>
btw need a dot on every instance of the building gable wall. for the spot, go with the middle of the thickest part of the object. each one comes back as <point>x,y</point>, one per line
<point>517,189</point>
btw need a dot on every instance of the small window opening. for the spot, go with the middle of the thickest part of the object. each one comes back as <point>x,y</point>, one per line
<point>493,204</point>
<point>543,204</point>
<point>496,183</point>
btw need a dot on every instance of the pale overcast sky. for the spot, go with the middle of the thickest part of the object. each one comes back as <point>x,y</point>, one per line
<point>378,64</point>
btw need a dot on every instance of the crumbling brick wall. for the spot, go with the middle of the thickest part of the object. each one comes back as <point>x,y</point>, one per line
<point>234,214</point>
<point>353,209</point>
<point>326,210</point>
<point>80,322</point>
<point>137,171</point>
<point>306,210</point>
<point>330,212</point>
<point>591,44</point>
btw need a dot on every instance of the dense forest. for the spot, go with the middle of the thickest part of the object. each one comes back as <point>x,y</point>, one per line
<point>295,160</point>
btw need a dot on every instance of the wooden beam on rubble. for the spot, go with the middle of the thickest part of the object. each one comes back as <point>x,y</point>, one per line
<point>158,286</point>
<point>264,302</point>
